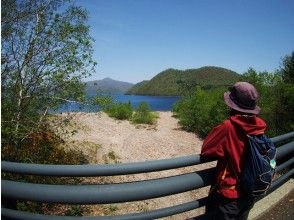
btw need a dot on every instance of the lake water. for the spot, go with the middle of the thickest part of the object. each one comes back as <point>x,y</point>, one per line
<point>156,103</point>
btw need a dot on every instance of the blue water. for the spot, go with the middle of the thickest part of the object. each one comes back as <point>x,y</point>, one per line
<point>156,103</point>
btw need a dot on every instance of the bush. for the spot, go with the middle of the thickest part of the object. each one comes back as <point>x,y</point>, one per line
<point>201,111</point>
<point>41,148</point>
<point>120,111</point>
<point>143,114</point>
<point>44,148</point>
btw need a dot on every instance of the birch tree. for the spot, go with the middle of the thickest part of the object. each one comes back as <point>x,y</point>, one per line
<point>46,51</point>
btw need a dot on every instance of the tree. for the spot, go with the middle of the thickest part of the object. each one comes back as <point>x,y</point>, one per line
<point>276,97</point>
<point>46,51</point>
<point>288,69</point>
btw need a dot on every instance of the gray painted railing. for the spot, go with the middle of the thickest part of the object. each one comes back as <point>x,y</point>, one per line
<point>122,192</point>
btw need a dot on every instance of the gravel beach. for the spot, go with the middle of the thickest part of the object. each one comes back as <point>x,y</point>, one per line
<point>106,140</point>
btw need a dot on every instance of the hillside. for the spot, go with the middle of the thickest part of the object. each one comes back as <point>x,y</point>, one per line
<point>107,85</point>
<point>175,82</point>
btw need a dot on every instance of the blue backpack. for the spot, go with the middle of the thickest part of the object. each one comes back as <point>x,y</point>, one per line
<point>259,167</point>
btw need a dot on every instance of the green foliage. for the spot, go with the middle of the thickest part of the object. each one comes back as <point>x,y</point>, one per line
<point>124,111</point>
<point>183,82</point>
<point>120,111</point>
<point>46,51</point>
<point>104,102</point>
<point>42,148</point>
<point>143,114</point>
<point>276,99</point>
<point>288,69</point>
<point>205,109</point>
<point>201,111</point>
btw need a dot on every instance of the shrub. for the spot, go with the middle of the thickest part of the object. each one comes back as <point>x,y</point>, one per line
<point>120,111</point>
<point>41,148</point>
<point>201,111</point>
<point>143,114</point>
<point>104,102</point>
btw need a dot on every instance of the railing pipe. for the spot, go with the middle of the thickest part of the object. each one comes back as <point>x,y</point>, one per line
<point>120,169</point>
<point>286,149</point>
<point>107,193</point>
<point>281,180</point>
<point>115,169</point>
<point>283,137</point>
<point>100,169</point>
<point>153,214</point>
<point>159,213</point>
<point>285,164</point>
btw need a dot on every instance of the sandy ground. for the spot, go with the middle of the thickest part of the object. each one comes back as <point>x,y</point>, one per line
<point>105,140</point>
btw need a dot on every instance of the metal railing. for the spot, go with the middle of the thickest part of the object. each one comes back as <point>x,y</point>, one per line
<point>123,192</point>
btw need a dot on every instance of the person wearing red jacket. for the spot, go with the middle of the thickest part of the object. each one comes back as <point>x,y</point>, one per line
<point>227,143</point>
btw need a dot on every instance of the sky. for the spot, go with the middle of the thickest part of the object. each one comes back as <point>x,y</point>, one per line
<point>137,39</point>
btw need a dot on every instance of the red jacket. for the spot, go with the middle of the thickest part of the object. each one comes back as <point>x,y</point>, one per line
<point>226,143</point>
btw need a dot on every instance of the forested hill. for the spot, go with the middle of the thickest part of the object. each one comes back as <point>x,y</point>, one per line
<point>175,82</point>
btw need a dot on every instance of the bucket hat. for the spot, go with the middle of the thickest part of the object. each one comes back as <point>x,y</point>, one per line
<point>243,98</point>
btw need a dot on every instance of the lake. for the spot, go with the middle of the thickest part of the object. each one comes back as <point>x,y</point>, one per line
<point>156,103</point>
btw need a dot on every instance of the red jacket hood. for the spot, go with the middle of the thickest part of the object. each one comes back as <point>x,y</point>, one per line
<point>250,124</point>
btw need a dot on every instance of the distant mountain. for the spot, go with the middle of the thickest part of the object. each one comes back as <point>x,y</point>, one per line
<point>173,81</point>
<point>107,85</point>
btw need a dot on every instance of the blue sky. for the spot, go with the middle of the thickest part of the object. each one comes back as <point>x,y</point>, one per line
<point>137,39</point>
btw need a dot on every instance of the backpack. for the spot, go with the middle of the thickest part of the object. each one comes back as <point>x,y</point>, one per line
<point>259,167</point>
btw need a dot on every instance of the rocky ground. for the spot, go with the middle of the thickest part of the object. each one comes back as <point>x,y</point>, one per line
<point>106,140</point>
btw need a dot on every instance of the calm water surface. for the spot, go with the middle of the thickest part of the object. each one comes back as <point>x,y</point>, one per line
<point>156,103</point>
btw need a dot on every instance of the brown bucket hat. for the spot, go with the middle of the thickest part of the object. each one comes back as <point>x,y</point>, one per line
<point>243,98</point>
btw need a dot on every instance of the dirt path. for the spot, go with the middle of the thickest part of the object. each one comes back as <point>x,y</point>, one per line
<point>106,140</point>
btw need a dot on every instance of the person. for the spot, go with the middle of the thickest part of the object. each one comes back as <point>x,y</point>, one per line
<point>227,144</point>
